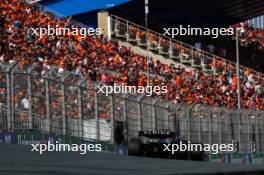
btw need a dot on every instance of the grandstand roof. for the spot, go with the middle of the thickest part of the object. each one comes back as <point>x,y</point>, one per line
<point>202,12</point>
<point>69,7</point>
<point>217,13</point>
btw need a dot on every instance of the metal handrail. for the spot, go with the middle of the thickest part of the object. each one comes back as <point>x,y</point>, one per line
<point>259,75</point>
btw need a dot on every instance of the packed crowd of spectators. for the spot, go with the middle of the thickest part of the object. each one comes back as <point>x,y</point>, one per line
<point>86,56</point>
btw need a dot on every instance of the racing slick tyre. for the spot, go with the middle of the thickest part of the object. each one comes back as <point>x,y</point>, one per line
<point>135,147</point>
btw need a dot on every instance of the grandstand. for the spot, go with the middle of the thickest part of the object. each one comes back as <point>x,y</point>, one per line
<point>49,83</point>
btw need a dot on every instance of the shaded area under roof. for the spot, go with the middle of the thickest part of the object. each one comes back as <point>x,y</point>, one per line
<point>206,13</point>
<point>215,13</point>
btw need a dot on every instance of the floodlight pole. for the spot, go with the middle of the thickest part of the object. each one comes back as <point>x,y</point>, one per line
<point>237,69</point>
<point>146,25</point>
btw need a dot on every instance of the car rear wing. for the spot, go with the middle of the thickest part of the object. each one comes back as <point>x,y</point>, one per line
<point>157,134</point>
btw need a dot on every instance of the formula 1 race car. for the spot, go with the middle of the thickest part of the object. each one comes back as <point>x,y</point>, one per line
<point>164,144</point>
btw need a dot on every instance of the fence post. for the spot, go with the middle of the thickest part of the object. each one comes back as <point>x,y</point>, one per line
<point>177,121</point>
<point>12,107</point>
<point>141,124</point>
<point>30,111</point>
<point>249,130</point>
<point>126,119</point>
<point>140,117</point>
<point>257,142</point>
<point>64,120</point>
<point>154,107</point>
<point>154,117</point>
<point>210,127</point>
<point>48,104</point>
<point>10,123</point>
<point>80,133</point>
<point>220,127</point>
<point>188,124</point>
<point>200,130</point>
<point>112,116</point>
<point>97,125</point>
<point>239,130</point>
<point>167,116</point>
<point>8,101</point>
<point>9,87</point>
<point>260,125</point>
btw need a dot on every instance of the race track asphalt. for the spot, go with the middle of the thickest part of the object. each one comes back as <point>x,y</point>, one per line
<point>19,160</point>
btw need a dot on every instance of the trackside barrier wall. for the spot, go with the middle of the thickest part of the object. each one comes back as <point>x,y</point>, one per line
<point>24,137</point>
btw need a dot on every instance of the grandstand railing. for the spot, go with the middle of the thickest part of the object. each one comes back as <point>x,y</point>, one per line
<point>64,103</point>
<point>174,49</point>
